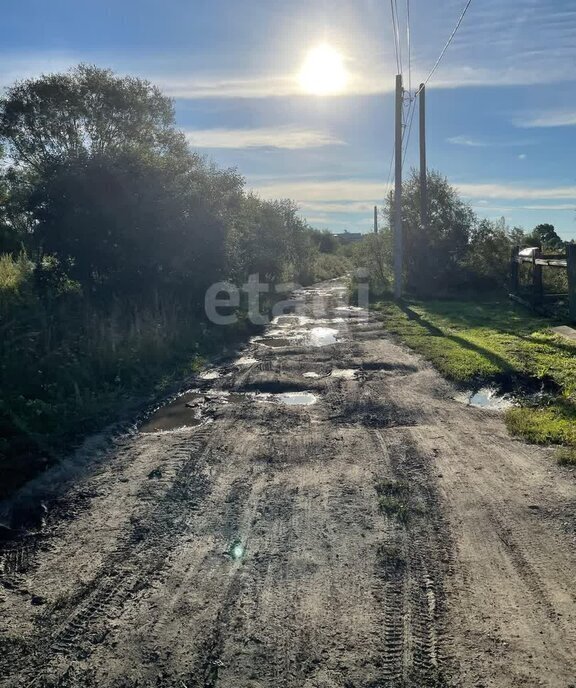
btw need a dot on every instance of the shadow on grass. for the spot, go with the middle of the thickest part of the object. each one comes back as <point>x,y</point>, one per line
<point>434,331</point>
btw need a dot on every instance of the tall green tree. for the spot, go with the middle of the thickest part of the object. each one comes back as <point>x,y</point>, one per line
<point>107,184</point>
<point>433,258</point>
<point>86,111</point>
<point>545,235</point>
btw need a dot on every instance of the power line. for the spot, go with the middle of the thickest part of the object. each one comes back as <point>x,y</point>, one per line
<point>445,48</point>
<point>396,33</point>
<point>409,46</point>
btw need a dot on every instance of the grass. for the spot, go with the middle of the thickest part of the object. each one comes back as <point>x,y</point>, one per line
<point>475,343</point>
<point>393,500</point>
<point>566,456</point>
<point>70,366</point>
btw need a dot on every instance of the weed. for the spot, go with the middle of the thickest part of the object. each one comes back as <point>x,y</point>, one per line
<point>393,506</point>
<point>566,456</point>
<point>393,488</point>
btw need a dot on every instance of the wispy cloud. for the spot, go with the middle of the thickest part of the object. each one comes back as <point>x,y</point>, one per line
<point>551,118</point>
<point>321,191</point>
<point>289,137</point>
<point>511,208</point>
<point>471,141</point>
<point>466,141</point>
<point>313,192</point>
<point>517,191</point>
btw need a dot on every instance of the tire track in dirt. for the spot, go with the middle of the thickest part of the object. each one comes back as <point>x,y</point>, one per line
<point>332,588</point>
<point>131,566</point>
<point>415,560</point>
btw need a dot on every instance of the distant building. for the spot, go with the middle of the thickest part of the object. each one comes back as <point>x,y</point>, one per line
<point>346,237</point>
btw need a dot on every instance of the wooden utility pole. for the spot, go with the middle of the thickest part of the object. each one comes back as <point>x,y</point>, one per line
<point>398,238</point>
<point>423,169</point>
<point>375,219</point>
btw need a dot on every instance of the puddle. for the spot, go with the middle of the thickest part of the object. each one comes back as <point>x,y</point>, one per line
<point>352,311</point>
<point>275,342</point>
<point>344,373</point>
<point>246,361</point>
<point>190,410</point>
<point>210,375</point>
<point>297,398</point>
<point>183,412</point>
<point>291,320</point>
<point>321,336</point>
<point>486,398</point>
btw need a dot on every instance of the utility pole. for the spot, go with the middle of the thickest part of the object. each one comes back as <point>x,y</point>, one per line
<point>375,219</point>
<point>398,238</point>
<point>423,169</point>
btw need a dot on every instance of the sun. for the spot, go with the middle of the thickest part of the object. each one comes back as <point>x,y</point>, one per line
<point>323,72</point>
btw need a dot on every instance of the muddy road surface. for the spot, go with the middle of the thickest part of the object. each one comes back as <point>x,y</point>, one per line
<point>319,513</point>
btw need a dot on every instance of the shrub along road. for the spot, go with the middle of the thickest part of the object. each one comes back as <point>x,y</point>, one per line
<point>383,535</point>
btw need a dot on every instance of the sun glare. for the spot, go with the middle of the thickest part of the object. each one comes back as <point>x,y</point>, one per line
<point>323,72</point>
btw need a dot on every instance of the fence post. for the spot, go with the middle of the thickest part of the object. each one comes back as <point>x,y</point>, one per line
<point>537,283</point>
<point>571,256</point>
<point>514,270</point>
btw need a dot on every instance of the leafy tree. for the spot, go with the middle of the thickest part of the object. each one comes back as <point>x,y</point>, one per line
<point>374,253</point>
<point>433,258</point>
<point>326,241</point>
<point>545,235</point>
<point>101,179</point>
<point>488,255</point>
<point>130,223</point>
<point>87,111</point>
<point>268,238</point>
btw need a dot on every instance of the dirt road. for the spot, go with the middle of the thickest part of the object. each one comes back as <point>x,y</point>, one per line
<point>368,531</point>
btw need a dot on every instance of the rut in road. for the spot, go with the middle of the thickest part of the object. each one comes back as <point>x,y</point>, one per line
<point>322,538</point>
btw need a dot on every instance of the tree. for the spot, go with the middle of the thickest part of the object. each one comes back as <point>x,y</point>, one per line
<point>87,111</point>
<point>433,258</point>
<point>102,179</point>
<point>545,235</point>
<point>374,253</point>
<point>326,241</point>
<point>488,258</point>
<point>130,223</point>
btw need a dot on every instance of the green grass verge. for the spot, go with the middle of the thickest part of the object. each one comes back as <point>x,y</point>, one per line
<point>566,456</point>
<point>479,343</point>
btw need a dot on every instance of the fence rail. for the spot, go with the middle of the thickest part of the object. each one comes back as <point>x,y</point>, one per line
<point>538,260</point>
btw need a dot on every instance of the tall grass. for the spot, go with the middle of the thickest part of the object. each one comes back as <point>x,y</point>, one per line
<point>70,364</point>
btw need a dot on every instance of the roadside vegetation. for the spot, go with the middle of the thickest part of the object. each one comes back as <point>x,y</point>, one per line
<point>458,316</point>
<point>111,229</point>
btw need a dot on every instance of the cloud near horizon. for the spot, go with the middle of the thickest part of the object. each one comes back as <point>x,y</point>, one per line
<point>329,192</point>
<point>288,137</point>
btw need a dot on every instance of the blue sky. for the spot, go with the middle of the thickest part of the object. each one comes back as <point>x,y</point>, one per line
<point>501,107</point>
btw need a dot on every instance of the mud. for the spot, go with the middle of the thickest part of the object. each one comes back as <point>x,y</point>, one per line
<point>384,536</point>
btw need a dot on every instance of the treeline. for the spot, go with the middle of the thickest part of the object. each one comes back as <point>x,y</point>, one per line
<point>111,229</point>
<point>457,253</point>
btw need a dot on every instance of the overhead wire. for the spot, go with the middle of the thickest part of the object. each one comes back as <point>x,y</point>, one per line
<point>409,45</point>
<point>396,32</point>
<point>445,48</point>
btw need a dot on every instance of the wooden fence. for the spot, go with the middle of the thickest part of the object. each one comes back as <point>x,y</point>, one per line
<point>539,261</point>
